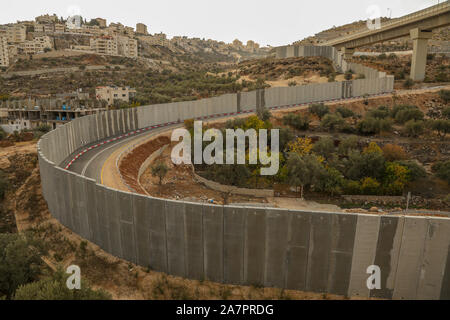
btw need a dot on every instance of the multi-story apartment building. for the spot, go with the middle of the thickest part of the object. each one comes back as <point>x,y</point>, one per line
<point>105,45</point>
<point>101,22</point>
<point>141,29</point>
<point>37,45</point>
<point>111,94</point>
<point>47,19</point>
<point>4,53</point>
<point>127,47</point>
<point>158,39</point>
<point>15,33</point>
<point>60,27</point>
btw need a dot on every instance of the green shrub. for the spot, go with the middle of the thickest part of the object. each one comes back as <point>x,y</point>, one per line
<point>296,121</point>
<point>370,186</point>
<point>265,115</point>
<point>379,113</point>
<point>442,170</point>
<point>286,136</point>
<point>382,56</point>
<point>55,288</point>
<point>441,126</point>
<point>348,76</point>
<point>345,112</point>
<point>20,261</point>
<point>370,126</point>
<point>414,128</point>
<point>352,187</point>
<point>441,77</point>
<point>445,95</point>
<point>319,110</point>
<point>332,122</point>
<point>392,56</point>
<point>347,145</point>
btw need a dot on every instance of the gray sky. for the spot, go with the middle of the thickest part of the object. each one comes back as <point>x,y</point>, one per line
<point>273,23</point>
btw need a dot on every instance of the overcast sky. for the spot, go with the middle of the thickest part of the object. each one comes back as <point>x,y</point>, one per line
<point>275,22</point>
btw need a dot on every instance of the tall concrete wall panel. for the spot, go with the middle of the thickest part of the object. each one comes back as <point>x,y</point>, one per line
<point>364,252</point>
<point>234,238</point>
<point>319,252</point>
<point>157,234</point>
<point>91,212</point>
<point>213,242</point>
<point>445,286</point>
<point>387,254</point>
<point>342,245</point>
<point>141,218</point>
<point>112,210</point>
<point>175,238</point>
<point>277,226</point>
<point>193,242</point>
<point>437,238</point>
<point>102,240</point>
<point>298,250</point>
<point>410,258</point>
<point>126,224</point>
<point>255,246</point>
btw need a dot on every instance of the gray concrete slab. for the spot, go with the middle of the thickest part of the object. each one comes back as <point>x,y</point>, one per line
<point>445,286</point>
<point>342,245</point>
<point>388,248</point>
<point>298,250</point>
<point>112,210</point>
<point>364,252</point>
<point>102,219</point>
<point>277,226</point>
<point>157,234</point>
<point>193,242</point>
<point>91,211</point>
<point>410,258</point>
<point>234,224</point>
<point>435,253</point>
<point>213,242</point>
<point>141,216</point>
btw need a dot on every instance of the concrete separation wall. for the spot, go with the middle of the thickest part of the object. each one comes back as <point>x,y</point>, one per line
<point>319,252</point>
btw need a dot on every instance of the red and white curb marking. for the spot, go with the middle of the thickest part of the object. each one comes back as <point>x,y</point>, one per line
<point>204,118</point>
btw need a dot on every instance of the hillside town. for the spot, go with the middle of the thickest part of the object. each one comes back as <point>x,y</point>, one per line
<point>47,32</point>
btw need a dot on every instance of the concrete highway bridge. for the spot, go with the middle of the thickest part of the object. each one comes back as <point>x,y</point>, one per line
<point>325,252</point>
<point>418,25</point>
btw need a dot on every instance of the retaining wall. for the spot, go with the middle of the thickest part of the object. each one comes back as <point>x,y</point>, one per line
<point>318,252</point>
<point>330,53</point>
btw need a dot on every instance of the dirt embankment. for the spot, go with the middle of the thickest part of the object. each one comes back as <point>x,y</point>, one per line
<point>132,162</point>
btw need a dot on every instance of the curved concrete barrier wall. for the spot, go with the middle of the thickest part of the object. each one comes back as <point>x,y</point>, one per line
<point>318,252</point>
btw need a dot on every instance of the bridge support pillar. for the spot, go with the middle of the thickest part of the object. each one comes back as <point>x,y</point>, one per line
<point>419,58</point>
<point>347,53</point>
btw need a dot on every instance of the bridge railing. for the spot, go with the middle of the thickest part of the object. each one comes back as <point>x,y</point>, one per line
<point>442,7</point>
